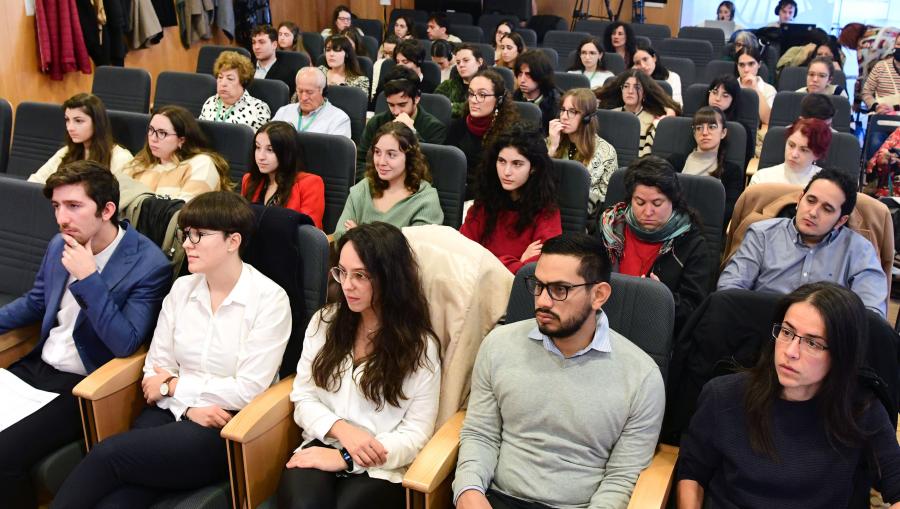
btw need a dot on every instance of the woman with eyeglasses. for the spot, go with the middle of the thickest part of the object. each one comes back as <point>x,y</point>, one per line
<point>469,61</point>
<point>218,344</point>
<point>589,61</point>
<point>397,187</point>
<point>818,78</point>
<point>341,19</point>
<point>634,92</point>
<point>177,161</point>
<point>655,234</point>
<point>503,29</point>
<point>489,111</point>
<point>515,208</point>
<point>368,382</point>
<point>798,429</point>
<point>575,136</point>
<point>341,66</point>
<point>739,40</point>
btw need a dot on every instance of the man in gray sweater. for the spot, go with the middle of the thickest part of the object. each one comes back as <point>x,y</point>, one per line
<point>566,413</point>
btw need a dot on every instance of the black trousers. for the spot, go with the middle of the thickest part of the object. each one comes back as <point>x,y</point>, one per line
<point>56,424</point>
<point>309,488</point>
<point>133,469</point>
<point>500,500</point>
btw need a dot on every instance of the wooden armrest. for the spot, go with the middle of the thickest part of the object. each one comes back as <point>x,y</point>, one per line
<point>261,414</point>
<point>18,342</point>
<point>437,459</point>
<point>655,482</point>
<point>112,377</point>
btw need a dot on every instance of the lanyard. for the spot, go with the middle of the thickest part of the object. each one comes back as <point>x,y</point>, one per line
<point>220,115</point>
<point>302,128</point>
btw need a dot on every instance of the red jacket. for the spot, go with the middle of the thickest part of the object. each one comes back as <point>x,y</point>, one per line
<point>60,42</point>
<point>307,195</point>
<point>504,242</point>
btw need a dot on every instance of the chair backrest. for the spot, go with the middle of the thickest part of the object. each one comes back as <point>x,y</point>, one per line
<point>431,73</point>
<point>674,135</point>
<point>185,89</point>
<point>313,43</point>
<point>521,10</point>
<point>630,301</point>
<point>613,62</point>
<point>460,18</point>
<point>371,27</point>
<point>129,129</point>
<point>551,54</point>
<point>354,102</point>
<point>700,52</point>
<point>572,194</point>
<point>425,44</point>
<point>436,104</point>
<point>371,44</point>
<point>26,226</point>
<point>234,142</point>
<point>878,128</point>
<point>663,84</point>
<point>786,109</point>
<point>509,78</point>
<point>529,112</point>
<point>487,51</point>
<point>792,78</point>
<point>489,21</point>
<point>655,33</point>
<point>683,67</point>
<point>39,132</point>
<point>597,28</point>
<point>622,130</point>
<point>843,153</point>
<point>6,127</point>
<point>448,176</point>
<point>294,59</point>
<point>715,36</point>
<point>468,33</point>
<point>567,81</point>
<point>333,158</point>
<point>122,88</point>
<point>419,17</point>
<point>529,37</point>
<point>275,93</point>
<point>208,54</point>
<point>642,40</point>
<point>716,68</point>
<point>564,42</point>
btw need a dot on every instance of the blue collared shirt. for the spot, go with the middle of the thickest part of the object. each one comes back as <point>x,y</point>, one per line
<point>774,258</point>
<point>600,342</point>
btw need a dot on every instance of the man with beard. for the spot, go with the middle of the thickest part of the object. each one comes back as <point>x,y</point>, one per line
<point>564,413</point>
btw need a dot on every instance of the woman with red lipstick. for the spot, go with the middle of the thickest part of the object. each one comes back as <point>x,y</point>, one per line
<point>368,383</point>
<point>654,234</point>
<point>515,208</point>
<point>797,430</point>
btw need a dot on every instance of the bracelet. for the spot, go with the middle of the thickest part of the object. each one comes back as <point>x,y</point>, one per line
<point>347,459</point>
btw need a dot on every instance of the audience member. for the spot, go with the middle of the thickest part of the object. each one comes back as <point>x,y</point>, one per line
<point>619,38</point>
<point>589,61</point>
<point>368,423</point>
<point>739,40</point>
<point>290,37</point>
<point>511,46</point>
<point>800,417</point>
<point>536,84</point>
<point>401,91</point>
<point>881,91</point>
<point>503,29</point>
<point>469,61</point>
<point>883,169</point>
<point>489,111</point>
<point>341,66</point>
<point>515,208</point>
<point>725,94</point>
<point>653,233</point>
<point>726,11</point>
<point>232,103</point>
<point>818,78</point>
<point>385,52</point>
<point>747,64</point>
<point>88,137</point>
<point>278,176</point>
<point>341,19</point>
<point>647,61</point>
<point>806,141</point>
<point>313,112</point>
<point>830,49</point>
<point>586,373</point>
<point>786,10</point>
<point>396,188</point>
<point>411,54</point>
<point>872,44</point>
<point>404,27</point>
<point>635,92</point>
<point>438,28</point>
<point>575,136</point>
<point>265,41</point>
<point>783,253</point>
<point>818,106</point>
<point>356,41</point>
<point>218,344</point>
<point>96,294</point>
<point>442,55</point>
<point>177,161</point>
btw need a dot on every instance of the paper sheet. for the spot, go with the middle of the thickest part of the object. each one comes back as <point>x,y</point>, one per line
<point>18,400</point>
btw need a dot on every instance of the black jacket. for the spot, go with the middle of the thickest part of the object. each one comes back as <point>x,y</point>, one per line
<point>458,135</point>
<point>685,270</point>
<point>285,72</point>
<point>732,179</point>
<point>549,107</point>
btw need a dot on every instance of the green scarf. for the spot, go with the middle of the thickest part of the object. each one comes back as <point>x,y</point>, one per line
<point>614,220</point>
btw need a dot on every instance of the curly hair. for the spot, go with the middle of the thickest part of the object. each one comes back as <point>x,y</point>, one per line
<point>228,60</point>
<point>655,99</point>
<point>585,137</point>
<point>630,41</point>
<point>400,345</point>
<point>654,171</point>
<point>102,143</point>
<point>536,196</point>
<point>416,164</point>
<point>290,156</point>
<point>505,113</point>
<point>342,43</point>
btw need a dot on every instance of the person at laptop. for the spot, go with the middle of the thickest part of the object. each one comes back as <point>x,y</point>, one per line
<point>786,10</point>
<point>726,11</point>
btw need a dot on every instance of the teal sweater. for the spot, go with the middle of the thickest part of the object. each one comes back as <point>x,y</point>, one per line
<point>421,207</point>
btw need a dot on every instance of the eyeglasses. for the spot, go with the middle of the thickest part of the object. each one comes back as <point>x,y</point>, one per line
<point>556,291</point>
<point>479,97</point>
<point>569,112</point>
<point>159,134</point>
<point>636,87</point>
<point>820,75</point>
<point>195,236</point>
<point>340,275</point>
<point>699,128</point>
<point>786,335</point>
<point>344,18</point>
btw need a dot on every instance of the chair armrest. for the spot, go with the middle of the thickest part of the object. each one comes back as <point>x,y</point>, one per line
<point>112,377</point>
<point>437,459</point>
<point>655,482</point>
<point>261,414</point>
<point>110,398</point>
<point>18,342</point>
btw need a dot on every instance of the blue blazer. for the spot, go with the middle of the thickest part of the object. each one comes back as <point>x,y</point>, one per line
<point>119,306</point>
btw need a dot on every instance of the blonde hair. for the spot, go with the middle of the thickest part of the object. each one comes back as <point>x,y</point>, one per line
<point>229,60</point>
<point>585,137</point>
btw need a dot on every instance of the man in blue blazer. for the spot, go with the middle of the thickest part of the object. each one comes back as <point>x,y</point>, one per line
<point>97,295</point>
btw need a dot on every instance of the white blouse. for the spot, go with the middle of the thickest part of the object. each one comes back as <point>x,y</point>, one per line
<point>781,174</point>
<point>118,159</point>
<point>403,430</point>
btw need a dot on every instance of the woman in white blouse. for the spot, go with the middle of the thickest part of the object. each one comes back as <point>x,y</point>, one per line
<point>368,381</point>
<point>218,343</point>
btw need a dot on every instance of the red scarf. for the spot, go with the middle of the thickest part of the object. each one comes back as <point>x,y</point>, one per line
<point>479,126</point>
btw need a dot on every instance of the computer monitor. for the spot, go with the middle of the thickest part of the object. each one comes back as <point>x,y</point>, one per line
<point>727,26</point>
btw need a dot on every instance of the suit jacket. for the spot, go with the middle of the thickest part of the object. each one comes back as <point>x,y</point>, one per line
<point>119,306</point>
<point>281,70</point>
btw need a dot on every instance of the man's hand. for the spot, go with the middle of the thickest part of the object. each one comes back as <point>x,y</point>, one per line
<point>472,499</point>
<point>404,119</point>
<point>77,259</point>
<point>320,458</point>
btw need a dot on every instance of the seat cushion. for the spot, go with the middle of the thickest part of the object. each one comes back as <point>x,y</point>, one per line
<point>49,473</point>
<point>211,497</point>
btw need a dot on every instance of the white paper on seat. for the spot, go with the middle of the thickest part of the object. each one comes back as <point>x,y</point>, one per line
<point>18,399</point>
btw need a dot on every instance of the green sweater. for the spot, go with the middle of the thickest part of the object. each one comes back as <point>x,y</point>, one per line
<point>421,207</point>
<point>428,129</point>
<point>455,90</point>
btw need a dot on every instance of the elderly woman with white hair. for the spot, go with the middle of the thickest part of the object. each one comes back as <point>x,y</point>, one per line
<point>312,112</point>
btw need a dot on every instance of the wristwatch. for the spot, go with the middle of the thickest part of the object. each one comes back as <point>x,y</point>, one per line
<point>164,388</point>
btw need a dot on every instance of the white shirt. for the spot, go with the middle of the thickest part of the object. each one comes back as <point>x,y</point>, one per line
<point>328,119</point>
<point>118,159</point>
<point>225,358</point>
<point>59,350</point>
<point>781,174</point>
<point>597,78</point>
<point>768,91</point>
<point>403,430</point>
<point>674,81</point>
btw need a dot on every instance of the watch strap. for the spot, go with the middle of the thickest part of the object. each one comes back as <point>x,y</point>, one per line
<point>347,459</point>
<point>166,383</point>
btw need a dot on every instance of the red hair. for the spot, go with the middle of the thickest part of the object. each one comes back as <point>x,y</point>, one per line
<point>817,132</point>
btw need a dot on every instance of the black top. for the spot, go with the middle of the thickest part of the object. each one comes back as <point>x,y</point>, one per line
<point>458,135</point>
<point>810,473</point>
<point>732,178</point>
<point>283,71</point>
<point>549,105</point>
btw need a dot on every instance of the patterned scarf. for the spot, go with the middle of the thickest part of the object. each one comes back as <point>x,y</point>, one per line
<point>613,221</point>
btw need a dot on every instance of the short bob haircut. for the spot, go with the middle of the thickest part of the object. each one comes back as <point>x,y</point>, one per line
<point>728,4</point>
<point>817,133</point>
<point>654,171</point>
<point>99,183</point>
<point>594,263</point>
<point>229,60</point>
<point>416,164</point>
<point>222,211</point>
<point>817,106</point>
<point>731,85</point>
<point>844,182</point>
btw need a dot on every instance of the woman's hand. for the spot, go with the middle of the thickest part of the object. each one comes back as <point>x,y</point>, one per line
<point>151,384</point>
<point>533,249</point>
<point>349,224</point>
<point>555,132</point>
<point>320,458</point>
<point>364,448</point>
<point>208,416</point>
<point>748,81</point>
<point>884,109</point>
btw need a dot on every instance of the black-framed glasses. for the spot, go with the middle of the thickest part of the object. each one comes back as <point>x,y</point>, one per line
<point>569,112</point>
<point>191,234</point>
<point>787,335</point>
<point>340,275</point>
<point>556,291</point>
<point>479,96</point>
<point>159,134</point>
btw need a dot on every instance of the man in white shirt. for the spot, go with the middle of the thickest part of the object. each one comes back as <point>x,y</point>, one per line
<point>313,113</point>
<point>438,28</point>
<point>97,295</point>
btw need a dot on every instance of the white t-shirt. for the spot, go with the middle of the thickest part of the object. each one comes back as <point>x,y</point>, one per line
<point>781,174</point>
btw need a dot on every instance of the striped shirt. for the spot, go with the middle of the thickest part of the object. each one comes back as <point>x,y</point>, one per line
<point>883,81</point>
<point>182,180</point>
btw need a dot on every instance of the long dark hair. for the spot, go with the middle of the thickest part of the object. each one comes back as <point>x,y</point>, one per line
<point>334,17</point>
<point>416,164</point>
<point>102,143</point>
<point>399,346</point>
<point>731,85</point>
<point>713,115</point>
<point>630,41</point>
<point>342,43</point>
<point>283,138</point>
<point>578,65</point>
<point>660,72</point>
<point>535,197</point>
<point>505,115</point>
<point>655,99</point>
<point>845,329</point>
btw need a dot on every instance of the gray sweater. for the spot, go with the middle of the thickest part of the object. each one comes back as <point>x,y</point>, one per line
<point>563,432</point>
